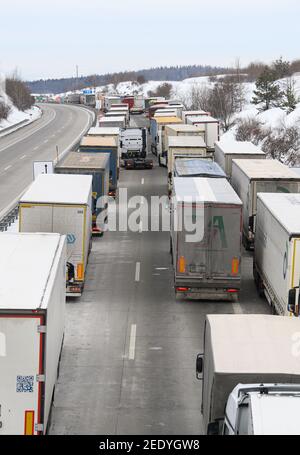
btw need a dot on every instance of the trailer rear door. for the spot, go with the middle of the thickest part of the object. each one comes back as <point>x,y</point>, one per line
<point>21,360</point>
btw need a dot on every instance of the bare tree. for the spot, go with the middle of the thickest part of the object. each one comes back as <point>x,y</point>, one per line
<point>252,130</point>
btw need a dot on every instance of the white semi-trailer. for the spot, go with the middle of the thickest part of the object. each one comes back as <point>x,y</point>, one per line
<point>276,265</point>
<point>62,203</point>
<point>252,176</point>
<point>206,238</point>
<point>32,314</point>
<point>250,373</point>
<point>226,151</point>
<point>209,126</point>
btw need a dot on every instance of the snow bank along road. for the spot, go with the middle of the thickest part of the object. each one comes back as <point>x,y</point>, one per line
<point>60,126</point>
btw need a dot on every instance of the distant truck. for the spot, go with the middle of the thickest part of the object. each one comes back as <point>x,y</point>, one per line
<point>173,130</point>
<point>210,127</point>
<point>99,144</point>
<point>109,101</point>
<point>129,100</point>
<point>183,147</point>
<point>157,126</point>
<point>112,122</point>
<point>138,105</point>
<point>133,147</point>
<point>252,176</point>
<point>73,98</point>
<point>226,151</point>
<point>32,319</point>
<point>63,204</point>
<point>88,99</point>
<point>207,267</point>
<point>94,164</point>
<point>250,375</point>
<point>276,266</point>
<point>186,114</point>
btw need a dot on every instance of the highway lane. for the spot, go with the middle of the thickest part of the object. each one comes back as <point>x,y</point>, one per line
<point>60,126</point>
<point>128,361</point>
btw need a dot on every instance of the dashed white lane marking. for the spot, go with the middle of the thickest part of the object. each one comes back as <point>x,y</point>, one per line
<point>7,167</point>
<point>237,308</point>
<point>142,181</point>
<point>45,141</point>
<point>35,148</point>
<point>132,340</point>
<point>22,157</point>
<point>137,271</point>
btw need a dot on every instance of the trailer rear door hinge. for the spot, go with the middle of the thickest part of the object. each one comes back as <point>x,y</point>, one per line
<point>38,427</point>
<point>41,329</point>
<point>40,378</point>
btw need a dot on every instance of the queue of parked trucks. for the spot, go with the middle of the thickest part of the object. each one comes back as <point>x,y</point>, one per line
<point>250,374</point>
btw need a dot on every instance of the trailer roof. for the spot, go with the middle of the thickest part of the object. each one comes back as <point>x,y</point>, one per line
<point>187,167</point>
<point>203,119</point>
<point>98,141</point>
<point>84,160</point>
<point>285,207</point>
<point>238,147</point>
<point>26,265</point>
<point>194,113</point>
<point>253,344</point>
<point>111,119</point>
<point>204,189</point>
<point>119,108</point>
<point>166,120</point>
<point>59,189</point>
<point>296,169</point>
<point>116,114</point>
<point>104,131</point>
<point>186,141</point>
<point>258,169</point>
<point>184,128</point>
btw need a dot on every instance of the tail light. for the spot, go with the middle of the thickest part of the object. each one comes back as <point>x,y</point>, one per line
<point>232,290</point>
<point>182,289</point>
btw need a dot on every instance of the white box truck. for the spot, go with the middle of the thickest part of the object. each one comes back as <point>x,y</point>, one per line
<point>209,126</point>
<point>112,122</point>
<point>183,147</point>
<point>32,317</point>
<point>62,203</point>
<point>109,101</point>
<point>250,373</point>
<point>226,151</point>
<point>206,265</point>
<point>276,266</point>
<point>250,177</point>
<point>186,114</point>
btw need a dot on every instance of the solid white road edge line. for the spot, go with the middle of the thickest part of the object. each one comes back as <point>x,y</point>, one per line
<point>137,271</point>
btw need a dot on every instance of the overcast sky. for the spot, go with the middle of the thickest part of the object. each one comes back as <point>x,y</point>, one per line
<point>47,38</point>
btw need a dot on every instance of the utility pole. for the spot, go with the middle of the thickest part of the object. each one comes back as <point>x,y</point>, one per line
<point>76,77</point>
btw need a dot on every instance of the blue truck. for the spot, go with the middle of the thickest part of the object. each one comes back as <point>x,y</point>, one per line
<point>98,144</point>
<point>94,164</point>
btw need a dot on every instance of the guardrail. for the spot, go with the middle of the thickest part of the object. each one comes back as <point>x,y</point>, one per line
<point>9,219</point>
<point>11,127</point>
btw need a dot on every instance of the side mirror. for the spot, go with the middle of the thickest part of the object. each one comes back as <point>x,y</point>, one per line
<point>199,366</point>
<point>292,300</point>
<point>213,428</point>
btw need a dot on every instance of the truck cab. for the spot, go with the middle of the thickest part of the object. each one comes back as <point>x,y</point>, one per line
<point>254,409</point>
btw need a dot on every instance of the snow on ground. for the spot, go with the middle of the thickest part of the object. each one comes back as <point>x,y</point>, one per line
<point>15,116</point>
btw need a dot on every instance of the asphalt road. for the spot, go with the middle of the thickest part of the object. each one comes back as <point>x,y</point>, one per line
<point>128,361</point>
<point>60,125</point>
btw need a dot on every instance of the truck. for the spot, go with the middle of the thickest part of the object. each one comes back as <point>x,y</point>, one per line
<point>110,100</point>
<point>157,126</point>
<point>209,126</point>
<point>250,177</point>
<point>250,375</point>
<point>119,112</point>
<point>112,122</point>
<point>104,131</point>
<point>207,264</point>
<point>226,151</point>
<point>133,147</point>
<point>63,204</point>
<point>186,114</point>
<point>129,100</point>
<point>183,147</point>
<point>97,165</point>
<point>32,319</point>
<point>276,266</point>
<point>138,105</point>
<point>99,144</point>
